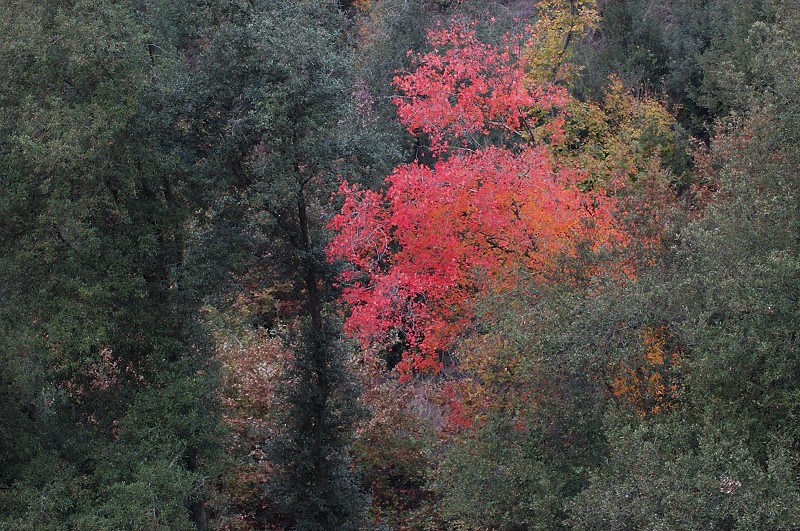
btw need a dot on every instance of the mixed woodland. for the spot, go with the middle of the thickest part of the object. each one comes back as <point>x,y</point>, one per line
<point>399,264</point>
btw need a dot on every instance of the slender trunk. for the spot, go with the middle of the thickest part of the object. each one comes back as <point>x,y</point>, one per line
<point>198,507</point>
<point>310,273</point>
<point>321,376</point>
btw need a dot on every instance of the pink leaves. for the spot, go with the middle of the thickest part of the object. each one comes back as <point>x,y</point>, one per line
<point>420,254</point>
<point>465,88</point>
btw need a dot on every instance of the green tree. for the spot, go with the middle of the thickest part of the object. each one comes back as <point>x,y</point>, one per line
<point>728,293</point>
<point>105,372</point>
<point>276,125</point>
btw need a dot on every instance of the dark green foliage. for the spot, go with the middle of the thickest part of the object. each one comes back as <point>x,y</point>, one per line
<point>674,474</point>
<point>388,30</point>
<point>316,487</point>
<point>502,479</point>
<point>699,54</point>
<point>276,129</point>
<point>274,123</point>
<point>729,295</point>
<point>728,459</point>
<point>95,317</point>
<point>535,449</point>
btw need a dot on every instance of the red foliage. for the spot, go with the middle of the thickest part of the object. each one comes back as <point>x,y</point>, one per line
<point>465,88</point>
<point>458,419</point>
<point>420,252</point>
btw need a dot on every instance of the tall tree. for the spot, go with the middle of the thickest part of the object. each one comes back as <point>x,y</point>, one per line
<point>275,116</point>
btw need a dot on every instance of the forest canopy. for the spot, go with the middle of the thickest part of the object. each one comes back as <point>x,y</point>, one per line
<point>391,264</point>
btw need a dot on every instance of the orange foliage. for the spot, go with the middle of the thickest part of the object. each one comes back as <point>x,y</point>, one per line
<point>651,384</point>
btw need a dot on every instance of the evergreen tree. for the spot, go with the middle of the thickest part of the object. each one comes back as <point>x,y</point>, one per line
<point>274,115</point>
<point>106,381</point>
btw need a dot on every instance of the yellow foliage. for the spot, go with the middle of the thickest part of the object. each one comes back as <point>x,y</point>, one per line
<point>559,24</point>
<point>623,138</point>
<point>615,141</point>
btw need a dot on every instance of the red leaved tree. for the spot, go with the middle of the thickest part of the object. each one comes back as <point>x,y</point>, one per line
<point>496,205</point>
